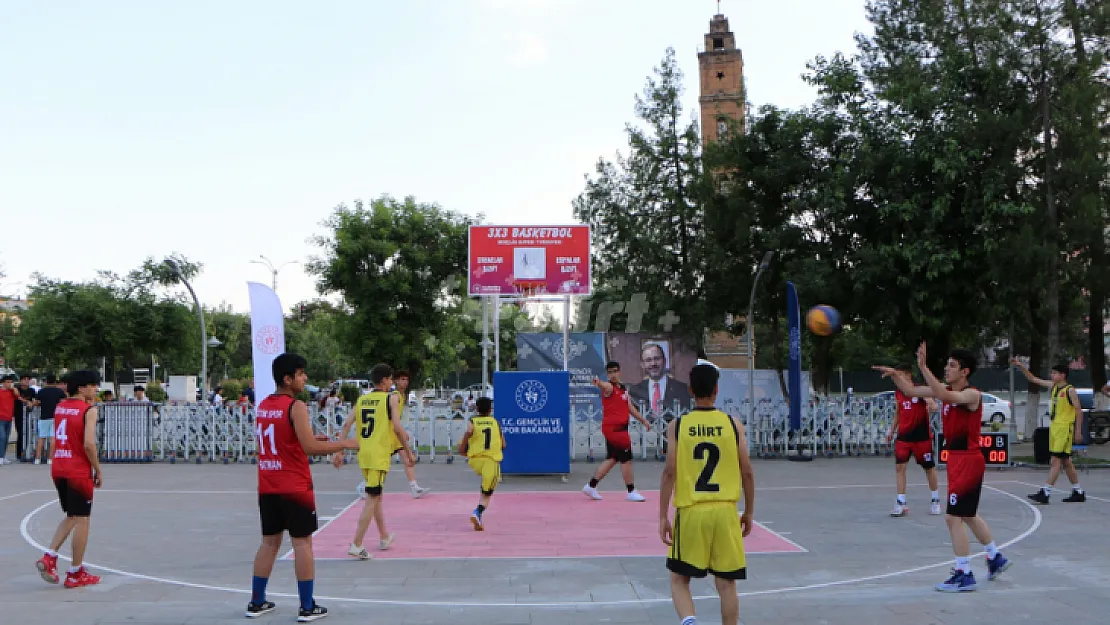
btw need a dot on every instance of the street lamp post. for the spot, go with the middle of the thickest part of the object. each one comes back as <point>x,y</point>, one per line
<point>203,332</point>
<point>751,357</point>
<point>265,262</point>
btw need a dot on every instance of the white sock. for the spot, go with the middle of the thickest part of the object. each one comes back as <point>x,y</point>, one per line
<point>1047,488</point>
<point>52,554</point>
<point>74,569</point>
<point>936,495</point>
<point>413,485</point>
<point>963,564</point>
<point>690,620</point>
<point>992,549</point>
<point>1077,488</point>
<point>901,499</point>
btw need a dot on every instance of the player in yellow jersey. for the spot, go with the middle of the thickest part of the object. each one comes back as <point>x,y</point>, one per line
<point>706,473</point>
<point>1066,416</point>
<point>373,416</point>
<point>485,454</point>
<point>401,445</point>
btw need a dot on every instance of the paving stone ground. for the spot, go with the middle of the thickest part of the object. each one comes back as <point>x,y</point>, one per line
<point>175,543</point>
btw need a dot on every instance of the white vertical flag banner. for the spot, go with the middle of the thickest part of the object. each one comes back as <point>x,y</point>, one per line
<point>267,336</point>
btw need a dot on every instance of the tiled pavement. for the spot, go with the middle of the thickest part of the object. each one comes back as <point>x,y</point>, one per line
<point>175,544</point>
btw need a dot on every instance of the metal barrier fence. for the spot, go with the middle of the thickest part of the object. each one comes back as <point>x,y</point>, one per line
<point>145,432</point>
<point>133,432</point>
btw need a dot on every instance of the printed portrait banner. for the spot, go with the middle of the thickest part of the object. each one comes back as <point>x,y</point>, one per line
<point>533,409</point>
<point>543,351</point>
<point>555,257</point>
<point>655,369</point>
<point>267,336</point>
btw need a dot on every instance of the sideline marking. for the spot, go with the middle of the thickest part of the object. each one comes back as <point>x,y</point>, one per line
<point>546,604</point>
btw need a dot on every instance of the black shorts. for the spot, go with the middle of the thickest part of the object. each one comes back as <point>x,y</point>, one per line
<point>620,453</point>
<point>75,495</point>
<point>293,513</point>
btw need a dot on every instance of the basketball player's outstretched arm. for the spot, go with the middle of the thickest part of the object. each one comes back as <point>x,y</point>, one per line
<point>666,486</point>
<point>606,388</point>
<point>747,477</point>
<point>309,443</point>
<point>908,389</point>
<point>1029,374</point>
<point>967,397</point>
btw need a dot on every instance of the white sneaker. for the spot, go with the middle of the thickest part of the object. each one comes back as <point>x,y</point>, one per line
<point>900,509</point>
<point>935,508</point>
<point>49,461</point>
<point>420,491</point>
<point>591,492</point>
<point>359,552</point>
<point>385,543</point>
<point>36,461</point>
<point>635,496</point>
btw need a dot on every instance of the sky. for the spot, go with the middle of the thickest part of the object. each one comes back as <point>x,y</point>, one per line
<point>226,131</point>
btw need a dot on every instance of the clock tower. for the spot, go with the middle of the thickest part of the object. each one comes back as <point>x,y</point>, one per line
<point>722,81</point>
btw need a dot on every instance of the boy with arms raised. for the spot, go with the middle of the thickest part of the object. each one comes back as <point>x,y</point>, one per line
<point>286,499</point>
<point>706,471</point>
<point>485,454</point>
<point>961,412</point>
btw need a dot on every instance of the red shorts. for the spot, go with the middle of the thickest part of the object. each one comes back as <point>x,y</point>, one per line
<point>965,482</point>
<point>922,451</point>
<point>618,445</point>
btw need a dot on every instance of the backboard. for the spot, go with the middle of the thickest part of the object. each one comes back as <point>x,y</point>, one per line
<point>550,260</point>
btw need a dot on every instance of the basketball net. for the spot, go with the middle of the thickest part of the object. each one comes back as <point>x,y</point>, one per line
<point>526,289</point>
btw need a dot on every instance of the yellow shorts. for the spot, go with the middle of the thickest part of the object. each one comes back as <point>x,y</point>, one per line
<point>375,480</point>
<point>1060,437</point>
<point>490,470</point>
<point>707,538</point>
<point>395,443</point>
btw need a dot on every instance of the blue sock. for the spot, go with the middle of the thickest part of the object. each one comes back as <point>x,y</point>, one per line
<point>258,589</point>
<point>304,589</point>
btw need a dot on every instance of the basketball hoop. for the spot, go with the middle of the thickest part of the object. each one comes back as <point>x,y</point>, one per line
<point>526,289</point>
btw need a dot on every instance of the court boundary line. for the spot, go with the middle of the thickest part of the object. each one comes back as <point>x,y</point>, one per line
<point>322,527</point>
<point>1037,520</point>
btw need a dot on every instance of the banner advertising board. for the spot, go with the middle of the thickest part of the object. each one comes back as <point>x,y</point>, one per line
<point>543,351</point>
<point>533,409</point>
<point>556,258</point>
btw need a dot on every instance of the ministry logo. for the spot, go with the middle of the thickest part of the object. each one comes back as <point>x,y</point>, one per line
<point>531,396</point>
<point>268,340</point>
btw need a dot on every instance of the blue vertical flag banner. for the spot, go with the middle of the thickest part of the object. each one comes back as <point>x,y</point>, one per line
<point>794,366</point>
<point>267,336</point>
<point>543,351</point>
<point>533,409</point>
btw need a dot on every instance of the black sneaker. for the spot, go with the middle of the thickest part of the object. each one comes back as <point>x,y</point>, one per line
<point>1076,497</point>
<point>256,610</point>
<point>307,616</point>
<point>1040,497</point>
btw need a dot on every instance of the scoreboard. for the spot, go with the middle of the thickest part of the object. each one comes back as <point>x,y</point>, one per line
<point>994,445</point>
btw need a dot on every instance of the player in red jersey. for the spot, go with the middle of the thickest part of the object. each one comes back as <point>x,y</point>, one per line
<point>915,439</point>
<point>76,472</point>
<point>961,413</point>
<point>286,500</point>
<point>616,406</point>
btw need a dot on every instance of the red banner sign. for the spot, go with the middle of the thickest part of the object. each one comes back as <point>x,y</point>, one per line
<point>503,259</point>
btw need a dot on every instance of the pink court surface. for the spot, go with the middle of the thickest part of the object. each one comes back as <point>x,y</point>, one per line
<point>519,525</point>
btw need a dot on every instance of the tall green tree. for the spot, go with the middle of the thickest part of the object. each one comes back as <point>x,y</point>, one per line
<point>399,267</point>
<point>646,214</point>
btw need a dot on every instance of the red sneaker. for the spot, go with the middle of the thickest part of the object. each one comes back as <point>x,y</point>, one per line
<point>48,568</point>
<point>81,578</point>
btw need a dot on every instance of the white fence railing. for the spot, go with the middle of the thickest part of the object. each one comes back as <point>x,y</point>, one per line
<point>199,432</point>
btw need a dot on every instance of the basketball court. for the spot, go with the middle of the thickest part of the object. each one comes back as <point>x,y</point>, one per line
<point>175,544</point>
